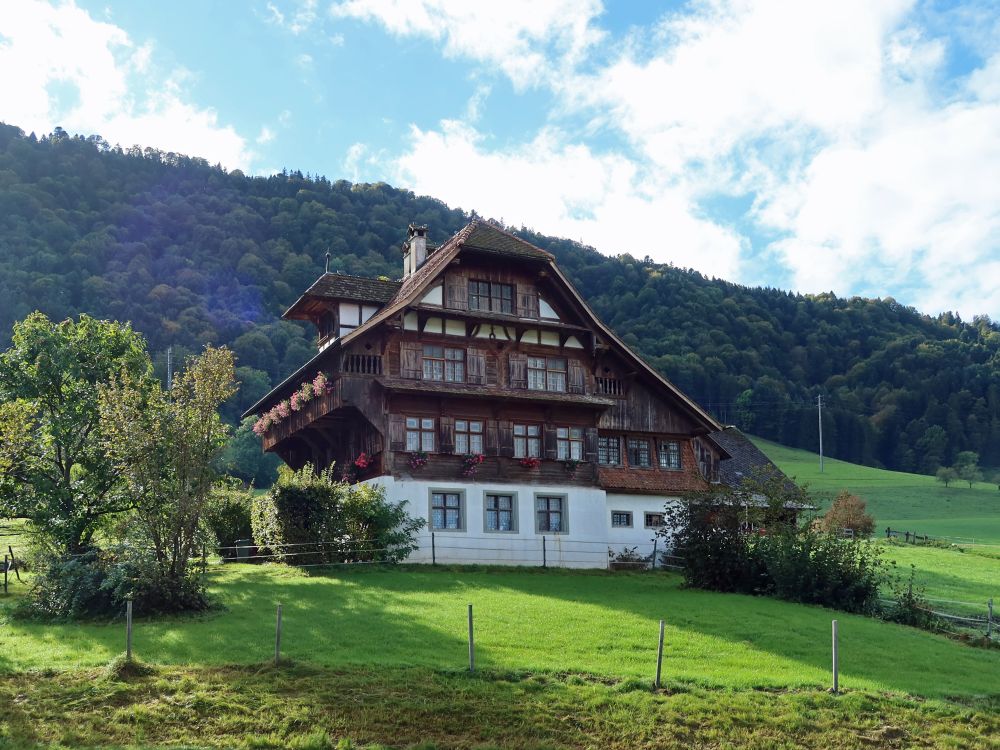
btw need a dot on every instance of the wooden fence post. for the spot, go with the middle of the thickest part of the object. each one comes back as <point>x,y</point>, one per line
<point>544,559</point>
<point>128,630</point>
<point>5,558</point>
<point>13,562</point>
<point>989,618</point>
<point>659,658</point>
<point>472,644</point>
<point>655,541</point>
<point>433,550</point>
<point>836,680</point>
<point>277,638</point>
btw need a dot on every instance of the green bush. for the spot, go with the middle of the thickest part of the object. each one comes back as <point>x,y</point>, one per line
<point>310,518</point>
<point>228,513</point>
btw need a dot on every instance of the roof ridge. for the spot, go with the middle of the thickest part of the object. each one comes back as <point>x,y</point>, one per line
<point>477,222</point>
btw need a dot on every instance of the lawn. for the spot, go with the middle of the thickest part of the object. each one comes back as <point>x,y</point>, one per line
<point>909,502</point>
<point>526,620</point>
<point>961,580</point>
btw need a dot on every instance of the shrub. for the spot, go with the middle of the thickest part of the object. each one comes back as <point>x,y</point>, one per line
<point>847,512</point>
<point>227,514</point>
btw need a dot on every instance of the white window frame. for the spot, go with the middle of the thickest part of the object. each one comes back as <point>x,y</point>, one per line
<point>470,436</point>
<point>422,432</point>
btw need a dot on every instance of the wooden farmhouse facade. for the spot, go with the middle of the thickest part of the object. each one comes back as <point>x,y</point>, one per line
<point>483,391</point>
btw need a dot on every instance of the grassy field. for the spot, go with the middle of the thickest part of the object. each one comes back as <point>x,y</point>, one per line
<point>909,502</point>
<point>536,621</point>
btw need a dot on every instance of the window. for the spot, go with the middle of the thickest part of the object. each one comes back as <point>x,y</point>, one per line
<point>419,434</point>
<point>654,520</point>
<point>468,436</point>
<point>670,455</point>
<point>547,373</point>
<point>350,317</point>
<point>442,363</point>
<point>446,511</point>
<point>550,514</point>
<point>485,295</point>
<point>569,443</point>
<point>638,452</point>
<point>527,441</point>
<point>609,451</point>
<point>501,513</point>
<point>327,325</point>
<point>621,519</point>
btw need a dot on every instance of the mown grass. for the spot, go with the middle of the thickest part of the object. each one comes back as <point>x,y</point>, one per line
<point>909,502</point>
<point>539,621</point>
<point>952,574</point>
<point>302,706</point>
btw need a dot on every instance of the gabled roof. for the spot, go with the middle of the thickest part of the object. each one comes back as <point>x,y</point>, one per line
<point>746,460</point>
<point>491,239</point>
<point>337,286</point>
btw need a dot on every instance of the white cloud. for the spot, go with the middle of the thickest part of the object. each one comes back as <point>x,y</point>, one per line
<point>299,19</point>
<point>568,190</point>
<point>89,77</point>
<point>527,39</point>
<point>266,135</point>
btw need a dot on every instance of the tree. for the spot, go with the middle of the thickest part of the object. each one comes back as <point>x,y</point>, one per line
<point>164,444</point>
<point>970,473</point>
<point>244,458</point>
<point>947,475</point>
<point>848,512</point>
<point>54,469</point>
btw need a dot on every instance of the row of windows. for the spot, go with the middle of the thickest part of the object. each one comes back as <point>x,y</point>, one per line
<point>448,513</point>
<point>638,452</point>
<point>421,435</point>
<point>447,365</point>
<point>622,519</point>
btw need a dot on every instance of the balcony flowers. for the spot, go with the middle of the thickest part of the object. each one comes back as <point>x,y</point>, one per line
<point>470,462</point>
<point>309,390</point>
<point>320,384</point>
<point>363,461</point>
<point>418,459</point>
<point>530,462</point>
<point>571,466</point>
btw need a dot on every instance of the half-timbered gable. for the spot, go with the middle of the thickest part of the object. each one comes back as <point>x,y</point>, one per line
<point>483,369</point>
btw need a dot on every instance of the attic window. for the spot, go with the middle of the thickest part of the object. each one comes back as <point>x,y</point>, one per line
<point>484,295</point>
<point>327,325</point>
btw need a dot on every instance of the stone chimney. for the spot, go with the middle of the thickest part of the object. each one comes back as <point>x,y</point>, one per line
<point>414,249</point>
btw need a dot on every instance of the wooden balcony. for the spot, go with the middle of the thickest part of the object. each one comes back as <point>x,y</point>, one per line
<point>448,467</point>
<point>298,420</point>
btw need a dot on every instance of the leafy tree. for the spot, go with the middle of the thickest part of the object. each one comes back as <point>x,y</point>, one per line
<point>970,473</point>
<point>946,475</point>
<point>54,468</point>
<point>244,458</point>
<point>848,512</point>
<point>164,444</point>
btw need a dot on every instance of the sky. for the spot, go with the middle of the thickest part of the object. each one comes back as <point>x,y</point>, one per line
<point>851,147</point>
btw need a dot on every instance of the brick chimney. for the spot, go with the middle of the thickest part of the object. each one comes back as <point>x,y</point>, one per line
<point>414,249</point>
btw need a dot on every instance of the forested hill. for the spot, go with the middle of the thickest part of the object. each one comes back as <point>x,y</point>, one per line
<point>192,254</point>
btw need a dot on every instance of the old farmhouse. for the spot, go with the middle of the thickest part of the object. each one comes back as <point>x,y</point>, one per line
<point>483,391</point>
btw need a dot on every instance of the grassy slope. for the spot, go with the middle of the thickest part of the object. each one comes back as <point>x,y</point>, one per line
<point>551,621</point>
<point>909,502</point>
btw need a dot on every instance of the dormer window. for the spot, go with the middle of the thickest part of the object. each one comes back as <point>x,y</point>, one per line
<point>486,295</point>
<point>327,325</point>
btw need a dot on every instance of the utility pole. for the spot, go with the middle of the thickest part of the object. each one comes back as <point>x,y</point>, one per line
<point>170,367</point>
<point>819,412</point>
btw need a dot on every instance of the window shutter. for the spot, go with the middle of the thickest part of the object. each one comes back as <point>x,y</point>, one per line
<point>506,431</point>
<point>397,432</point>
<point>456,292</point>
<point>590,444</point>
<point>446,432</point>
<point>527,301</point>
<point>392,360</point>
<point>577,377</point>
<point>411,355</point>
<point>549,442</point>
<point>492,376</point>
<point>518,363</point>
<point>490,445</point>
<point>475,369</point>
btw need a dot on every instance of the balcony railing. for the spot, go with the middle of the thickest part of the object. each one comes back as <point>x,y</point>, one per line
<point>609,386</point>
<point>363,364</point>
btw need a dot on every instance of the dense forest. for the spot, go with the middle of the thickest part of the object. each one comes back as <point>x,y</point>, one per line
<point>193,254</point>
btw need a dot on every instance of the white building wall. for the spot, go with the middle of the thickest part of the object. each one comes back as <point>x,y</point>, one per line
<point>638,535</point>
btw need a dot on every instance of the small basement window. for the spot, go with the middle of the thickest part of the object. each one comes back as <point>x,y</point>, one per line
<point>621,519</point>
<point>654,520</point>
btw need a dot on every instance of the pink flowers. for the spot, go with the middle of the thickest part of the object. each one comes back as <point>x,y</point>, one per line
<point>284,409</point>
<point>470,463</point>
<point>294,402</point>
<point>297,402</point>
<point>418,459</point>
<point>319,384</point>
<point>363,461</point>
<point>530,462</point>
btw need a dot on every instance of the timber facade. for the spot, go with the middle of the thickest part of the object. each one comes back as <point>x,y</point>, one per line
<point>483,391</point>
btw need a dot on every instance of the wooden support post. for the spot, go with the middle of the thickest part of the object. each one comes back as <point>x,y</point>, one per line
<point>128,630</point>
<point>472,644</point>
<point>277,638</point>
<point>659,658</point>
<point>836,675</point>
<point>433,550</point>
<point>544,560</point>
<point>13,562</point>
<point>5,560</point>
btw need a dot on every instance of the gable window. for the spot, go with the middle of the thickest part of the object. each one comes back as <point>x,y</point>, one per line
<point>654,520</point>
<point>486,295</point>
<point>446,511</point>
<point>621,519</point>
<point>327,325</point>
<point>670,455</point>
<point>501,513</point>
<point>547,373</point>
<point>444,364</point>
<point>569,443</point>
<point>609,450</point>
<point>527,441</point>
<point>638,452</point>
<point>468,436</point>
<point>550,512</point>
<point>420,434</point>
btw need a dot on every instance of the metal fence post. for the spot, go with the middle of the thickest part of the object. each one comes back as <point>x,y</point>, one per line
<point>989,618</point>
<point>836,681</point>
<point>277,638</point>
<point>472,644</point>
<point>659,658</point>
<point>128,630</point>
<point>433,550</point>
<point>544,560</point>
<point>655,542</point>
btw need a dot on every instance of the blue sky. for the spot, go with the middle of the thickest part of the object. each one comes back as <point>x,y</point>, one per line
<point>850,146</point>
